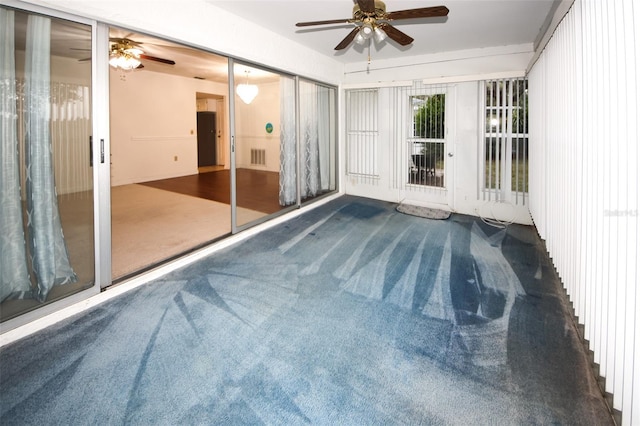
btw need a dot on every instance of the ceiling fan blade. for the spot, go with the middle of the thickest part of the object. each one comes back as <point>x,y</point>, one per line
<point>396,35</point>
<point>348,39</point>
<point>367,6</point>
<point>425,12</point>
<point>153,58</point>
<point>333,21</point>
<point>124,40</point>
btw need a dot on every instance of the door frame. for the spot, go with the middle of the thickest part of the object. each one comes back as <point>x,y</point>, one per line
<point>423,194</point>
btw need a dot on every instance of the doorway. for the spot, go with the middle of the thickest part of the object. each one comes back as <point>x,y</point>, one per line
<point>212,128</point>
<point>207,139</point>
<point>426,166</point>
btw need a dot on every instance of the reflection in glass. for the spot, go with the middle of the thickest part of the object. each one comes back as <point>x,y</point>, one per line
<point>47,201</point>
<point>259,158</point>
<point>317,111</point>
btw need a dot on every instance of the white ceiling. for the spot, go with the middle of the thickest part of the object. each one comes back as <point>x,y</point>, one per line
<point>471,24</point>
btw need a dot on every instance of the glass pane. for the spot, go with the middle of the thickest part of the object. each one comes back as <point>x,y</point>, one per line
<point>265,156</point>
<point>493,163</point>
<point>318,144</point>
<point>170,153</point>
<point>428,116</point>
<point>506,128</point>
<point>426,147</point>
<point>47,173</point>
<point>520,165</point>
<point>362,132</point>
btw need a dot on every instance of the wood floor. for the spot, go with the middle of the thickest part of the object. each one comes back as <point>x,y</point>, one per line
<point>256,189</point>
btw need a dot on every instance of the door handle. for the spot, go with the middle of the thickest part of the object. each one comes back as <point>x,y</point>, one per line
<point>450,154</point>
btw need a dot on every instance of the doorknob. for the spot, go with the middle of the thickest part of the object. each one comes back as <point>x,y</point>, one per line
<point>450,154</point>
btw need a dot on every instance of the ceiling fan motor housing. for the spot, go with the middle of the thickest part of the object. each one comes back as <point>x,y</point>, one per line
<point>379,12</point>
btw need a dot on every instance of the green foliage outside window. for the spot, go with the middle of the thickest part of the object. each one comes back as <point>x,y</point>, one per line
<point>429,117</point>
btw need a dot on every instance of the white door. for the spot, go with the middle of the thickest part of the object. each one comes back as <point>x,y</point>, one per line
<point>427,153</point>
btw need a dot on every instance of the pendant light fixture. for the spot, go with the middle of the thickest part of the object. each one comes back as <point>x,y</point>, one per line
<point>247,92</point>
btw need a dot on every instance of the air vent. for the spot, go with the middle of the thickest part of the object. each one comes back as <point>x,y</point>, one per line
<point>258,157</point>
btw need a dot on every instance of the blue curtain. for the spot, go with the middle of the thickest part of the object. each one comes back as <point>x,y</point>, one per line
<point>45,246</point>
<point>49,257</point>
<point>14,276</point>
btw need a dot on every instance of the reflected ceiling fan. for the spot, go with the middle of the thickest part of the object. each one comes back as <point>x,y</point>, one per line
<point>371,20</point>
<point>127,54</point>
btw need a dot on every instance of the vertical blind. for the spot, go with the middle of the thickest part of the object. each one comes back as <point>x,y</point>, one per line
<point>505,141</point>
<point>362,133</point>
<point>583,186</point>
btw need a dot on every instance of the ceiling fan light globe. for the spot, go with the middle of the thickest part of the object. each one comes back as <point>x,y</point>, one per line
<point>134,51</point>
<point>124,62</point>
<point>247,92</point>
<point>379,35</point>
<point>360,39</point>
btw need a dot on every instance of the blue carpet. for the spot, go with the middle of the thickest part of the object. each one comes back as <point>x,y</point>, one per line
<point>352,313</point>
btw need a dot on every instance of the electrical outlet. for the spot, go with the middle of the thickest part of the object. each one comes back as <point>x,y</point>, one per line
<point>175,158</point>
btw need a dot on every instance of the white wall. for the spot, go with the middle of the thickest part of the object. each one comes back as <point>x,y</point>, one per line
<point>153,125</point>
<point>251,131</point>
<point>463,65</point>
<point>584,105</point>
<point>459,74</point>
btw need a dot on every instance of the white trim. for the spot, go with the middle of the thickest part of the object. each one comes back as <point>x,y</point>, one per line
<point>376,85</point>
<point>474,77</point>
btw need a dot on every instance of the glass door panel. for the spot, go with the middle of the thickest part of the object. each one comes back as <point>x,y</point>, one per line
<point>265,147</point>
<point>318,140</point>
<point>170,161</point>
<point>426,144</point>
<point>47,252</point>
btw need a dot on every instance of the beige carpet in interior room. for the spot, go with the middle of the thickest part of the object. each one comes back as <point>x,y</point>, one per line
<point>149,225</point>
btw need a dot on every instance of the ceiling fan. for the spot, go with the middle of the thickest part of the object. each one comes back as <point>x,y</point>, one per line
<point>371,19</point>
<point>127,54</point>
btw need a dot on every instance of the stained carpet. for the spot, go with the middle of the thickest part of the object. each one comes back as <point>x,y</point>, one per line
<point>352,313</point>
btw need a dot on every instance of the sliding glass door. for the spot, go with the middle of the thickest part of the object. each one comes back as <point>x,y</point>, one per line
<point>46,195</point>
<point>317,140</point>
<point>284,142</point>
<point>264,142</point>
<point>73,143</point>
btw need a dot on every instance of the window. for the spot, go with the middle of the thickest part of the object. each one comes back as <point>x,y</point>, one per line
<point>506,142</point>
<point>362,132</point>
